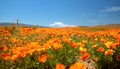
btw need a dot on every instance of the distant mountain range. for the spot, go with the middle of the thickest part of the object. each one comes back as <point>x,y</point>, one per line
<point>5,24</point>
<point>102,26</point>
<point>19,24</point>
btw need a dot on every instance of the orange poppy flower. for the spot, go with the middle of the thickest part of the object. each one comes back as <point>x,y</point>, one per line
<point>100,49</point>
<point>84,41</point>
<point>60,66</point>
<point>73,44</point>
<point>78,65</point>
<point>22,55</point>
<point>85,57</point>
<point>6,56</point>
<point>113,46</point>
<point>15,40</point>
<point>82,50</point>
<point>57,46</point>
<point>43,58</point>
<point>4,48</point>
<point>14,57</point>
<point>109,52</point>
<point>66,40</point>
<point>80,44</point>
<point>96,39</point>
<point>95,46</point>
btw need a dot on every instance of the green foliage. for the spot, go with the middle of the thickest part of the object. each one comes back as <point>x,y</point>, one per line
<point>65,55</point>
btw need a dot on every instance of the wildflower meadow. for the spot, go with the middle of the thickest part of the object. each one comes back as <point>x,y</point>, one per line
<point>59,48</point>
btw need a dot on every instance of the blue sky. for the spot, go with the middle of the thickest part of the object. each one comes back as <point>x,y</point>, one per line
<point>61,13</point>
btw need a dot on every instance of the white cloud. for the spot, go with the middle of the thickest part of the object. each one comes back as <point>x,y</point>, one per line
<point>112,9</point>
<point>60,24</point>
<point>92,21</point>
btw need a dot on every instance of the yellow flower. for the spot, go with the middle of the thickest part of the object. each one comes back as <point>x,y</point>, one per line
<point>82,50</point>
<point>108,44</point>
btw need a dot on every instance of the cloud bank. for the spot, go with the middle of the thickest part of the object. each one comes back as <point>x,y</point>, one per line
<point>60,24</point>
<point>112,9</point>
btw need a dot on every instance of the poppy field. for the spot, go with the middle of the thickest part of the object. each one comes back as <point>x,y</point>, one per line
<point>59,48</point>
